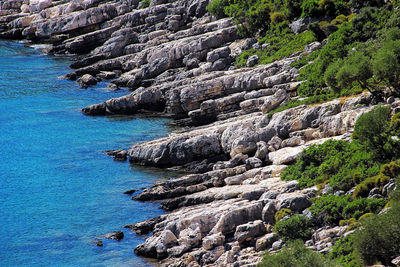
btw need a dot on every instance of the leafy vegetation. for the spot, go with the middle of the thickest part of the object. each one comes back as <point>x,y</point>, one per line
<point>296,227</point>
<point>280,45</point>
<point>296,254</point>
<point>336,162</point>
<point>331,209</point>
<point>280,214</point>
<point>145,3</point>
<point>343,253</point>
<point>378,239</point>
<point>363,164</point>
<point>360,52</point>
<point>344,165</point>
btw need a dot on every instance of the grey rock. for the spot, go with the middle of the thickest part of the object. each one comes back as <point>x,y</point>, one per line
<point>300,25</point>
<point>87,80</point>
<point>252,61</point>
<point>308,49</point>
<point>117,235</point>
<point>277,245</point>
<point>212,241</point>
<point>253,162</point>
<point>228,222</point>
<point>390,187</point>
<point>294,201</point>
<point>157,246</point>
<point>396,261</point>
<point>265,242</point>
<point>246,232</point>
<point>262,150</point>
<point>268,212</point>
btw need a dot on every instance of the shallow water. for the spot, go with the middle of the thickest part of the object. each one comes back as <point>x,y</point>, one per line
<point>58,190</point>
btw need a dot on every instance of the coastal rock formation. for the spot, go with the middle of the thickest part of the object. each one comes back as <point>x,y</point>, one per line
<point>177,59</point>
<point>228,210</point>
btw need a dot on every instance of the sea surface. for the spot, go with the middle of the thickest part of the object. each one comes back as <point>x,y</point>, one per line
<point>58,189</point>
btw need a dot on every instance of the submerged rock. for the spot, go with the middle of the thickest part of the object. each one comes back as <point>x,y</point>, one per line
<point>117,235</point>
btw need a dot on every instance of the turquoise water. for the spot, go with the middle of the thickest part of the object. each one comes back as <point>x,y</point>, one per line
<point>58,190</point>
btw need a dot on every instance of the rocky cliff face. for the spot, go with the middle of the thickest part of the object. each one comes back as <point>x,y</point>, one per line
<point>178,60</point>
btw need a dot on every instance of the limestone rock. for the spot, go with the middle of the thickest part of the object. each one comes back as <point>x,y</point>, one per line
<point>268,211</point>
<point>87,80</point>
<point>252,61</point>
<point>156,246</point>
<point>211,241</point>
<point>246,232</point>
<point>294,201</point>
<point>265,242</point>
<point>117,235</point>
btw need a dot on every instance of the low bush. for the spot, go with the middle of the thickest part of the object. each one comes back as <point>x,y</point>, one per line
<point>373,131</point>
<point>388,171</point>
<point>343,253</point>
<point>296,227</point>
<point>145,3</point>
<point>216,8</point>
<point>331,209</point>
<point>362,189</point>
<point>280,214</point>
<point>296,254</point>
<point>279,46</point>
<point>336,162</point>
<point>378,240</point>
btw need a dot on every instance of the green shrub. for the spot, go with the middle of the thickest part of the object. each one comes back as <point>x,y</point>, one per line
<point>250,16</point>
<point>296,254</point>
<point>386,65</point>
<point>350,223</point>
<point>311,8</point>
<point>356,68</point>
<point>388,171</point>
<point>358,4</point>
<point>336,162</point>
<point>370,130</point>
<point>339,19</point>
<point>336,48</point>
<point>145,3</point>
<point>343,252</point>
<point>379,238</point>
<point>362,189</point>
<point>360,206</point>
<point>280,214</point>
<point>276,17</point>
<point>296,227</point>
<point>331,209</point>
<point>281,45</point>
<point>216,8</point>
<point>394,126</point>
<point>365,216</point>
<point>361,28</point>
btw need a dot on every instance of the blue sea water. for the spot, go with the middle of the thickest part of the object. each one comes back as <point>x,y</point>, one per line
<point>58,190</point>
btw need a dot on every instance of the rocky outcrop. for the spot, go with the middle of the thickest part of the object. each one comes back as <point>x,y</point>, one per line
<point>177,59</point>
<point>225,214</point>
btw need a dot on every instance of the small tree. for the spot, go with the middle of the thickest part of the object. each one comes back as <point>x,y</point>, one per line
<point>343,73</point>
<point>386,65</point>
<point>371,130</point>
<point>356,68</point>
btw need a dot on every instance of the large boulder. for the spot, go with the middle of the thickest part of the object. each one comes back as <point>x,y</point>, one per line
<point>228,222</point>
<point>246,232</point>
<point>296,202</point>
<point>157,246</point>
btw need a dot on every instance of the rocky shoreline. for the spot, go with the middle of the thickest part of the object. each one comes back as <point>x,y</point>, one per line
<point>178,60</point>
